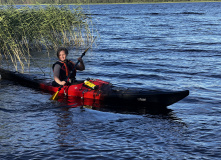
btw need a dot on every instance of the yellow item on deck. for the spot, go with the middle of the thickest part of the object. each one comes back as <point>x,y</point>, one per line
<point>90,84</point>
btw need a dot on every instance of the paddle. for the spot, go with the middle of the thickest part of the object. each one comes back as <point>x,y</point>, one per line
<point>55,95</point>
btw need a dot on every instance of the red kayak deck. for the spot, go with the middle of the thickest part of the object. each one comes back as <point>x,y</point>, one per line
<point>80,90</point>
<point>104,92</point>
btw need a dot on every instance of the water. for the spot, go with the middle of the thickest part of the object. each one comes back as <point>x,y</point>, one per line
<point>152,46</point>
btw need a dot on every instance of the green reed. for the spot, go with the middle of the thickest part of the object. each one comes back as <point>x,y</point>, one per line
<point>41,27</point>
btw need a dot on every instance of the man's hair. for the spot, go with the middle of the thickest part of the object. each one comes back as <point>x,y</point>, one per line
<point>62,49</point>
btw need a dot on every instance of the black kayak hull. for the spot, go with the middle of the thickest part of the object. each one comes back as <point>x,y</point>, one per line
<point>147,98</point>
<point>108,94</point>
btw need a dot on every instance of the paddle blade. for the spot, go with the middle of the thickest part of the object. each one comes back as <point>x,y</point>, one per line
<point>55,96</point>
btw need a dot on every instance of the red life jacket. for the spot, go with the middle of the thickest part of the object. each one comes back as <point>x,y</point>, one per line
<point>66,68</point>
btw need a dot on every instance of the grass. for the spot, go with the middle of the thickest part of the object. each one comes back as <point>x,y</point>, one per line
<point>40,27</point>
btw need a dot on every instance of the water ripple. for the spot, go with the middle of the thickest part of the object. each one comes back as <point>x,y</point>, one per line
<point>172,46</point>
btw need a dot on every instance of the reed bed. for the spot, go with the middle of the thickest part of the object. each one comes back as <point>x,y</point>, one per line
<point>41,27</point>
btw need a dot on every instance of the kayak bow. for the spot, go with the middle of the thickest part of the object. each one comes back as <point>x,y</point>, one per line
<point>104,92</point>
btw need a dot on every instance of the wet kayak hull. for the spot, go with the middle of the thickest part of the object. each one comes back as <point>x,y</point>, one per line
<point>104,93</point>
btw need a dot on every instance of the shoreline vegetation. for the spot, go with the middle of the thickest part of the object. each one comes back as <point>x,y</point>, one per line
<point>86,2</point>
<point>48,24</point>
<point>37,28</point>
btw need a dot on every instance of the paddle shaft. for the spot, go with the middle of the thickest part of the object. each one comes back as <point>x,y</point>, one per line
<point>75,66</point>
<point>82,55</point>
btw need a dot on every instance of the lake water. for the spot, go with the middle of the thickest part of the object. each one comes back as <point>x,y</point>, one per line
<point>175,46</point>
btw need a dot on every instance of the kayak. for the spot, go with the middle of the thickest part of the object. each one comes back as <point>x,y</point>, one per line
<point>104,92</point>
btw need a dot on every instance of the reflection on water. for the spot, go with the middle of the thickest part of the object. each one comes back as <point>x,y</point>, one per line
<point>67,132</point>
<point>122,109</point>
<point>74,122</point>
<point>173,46</point>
